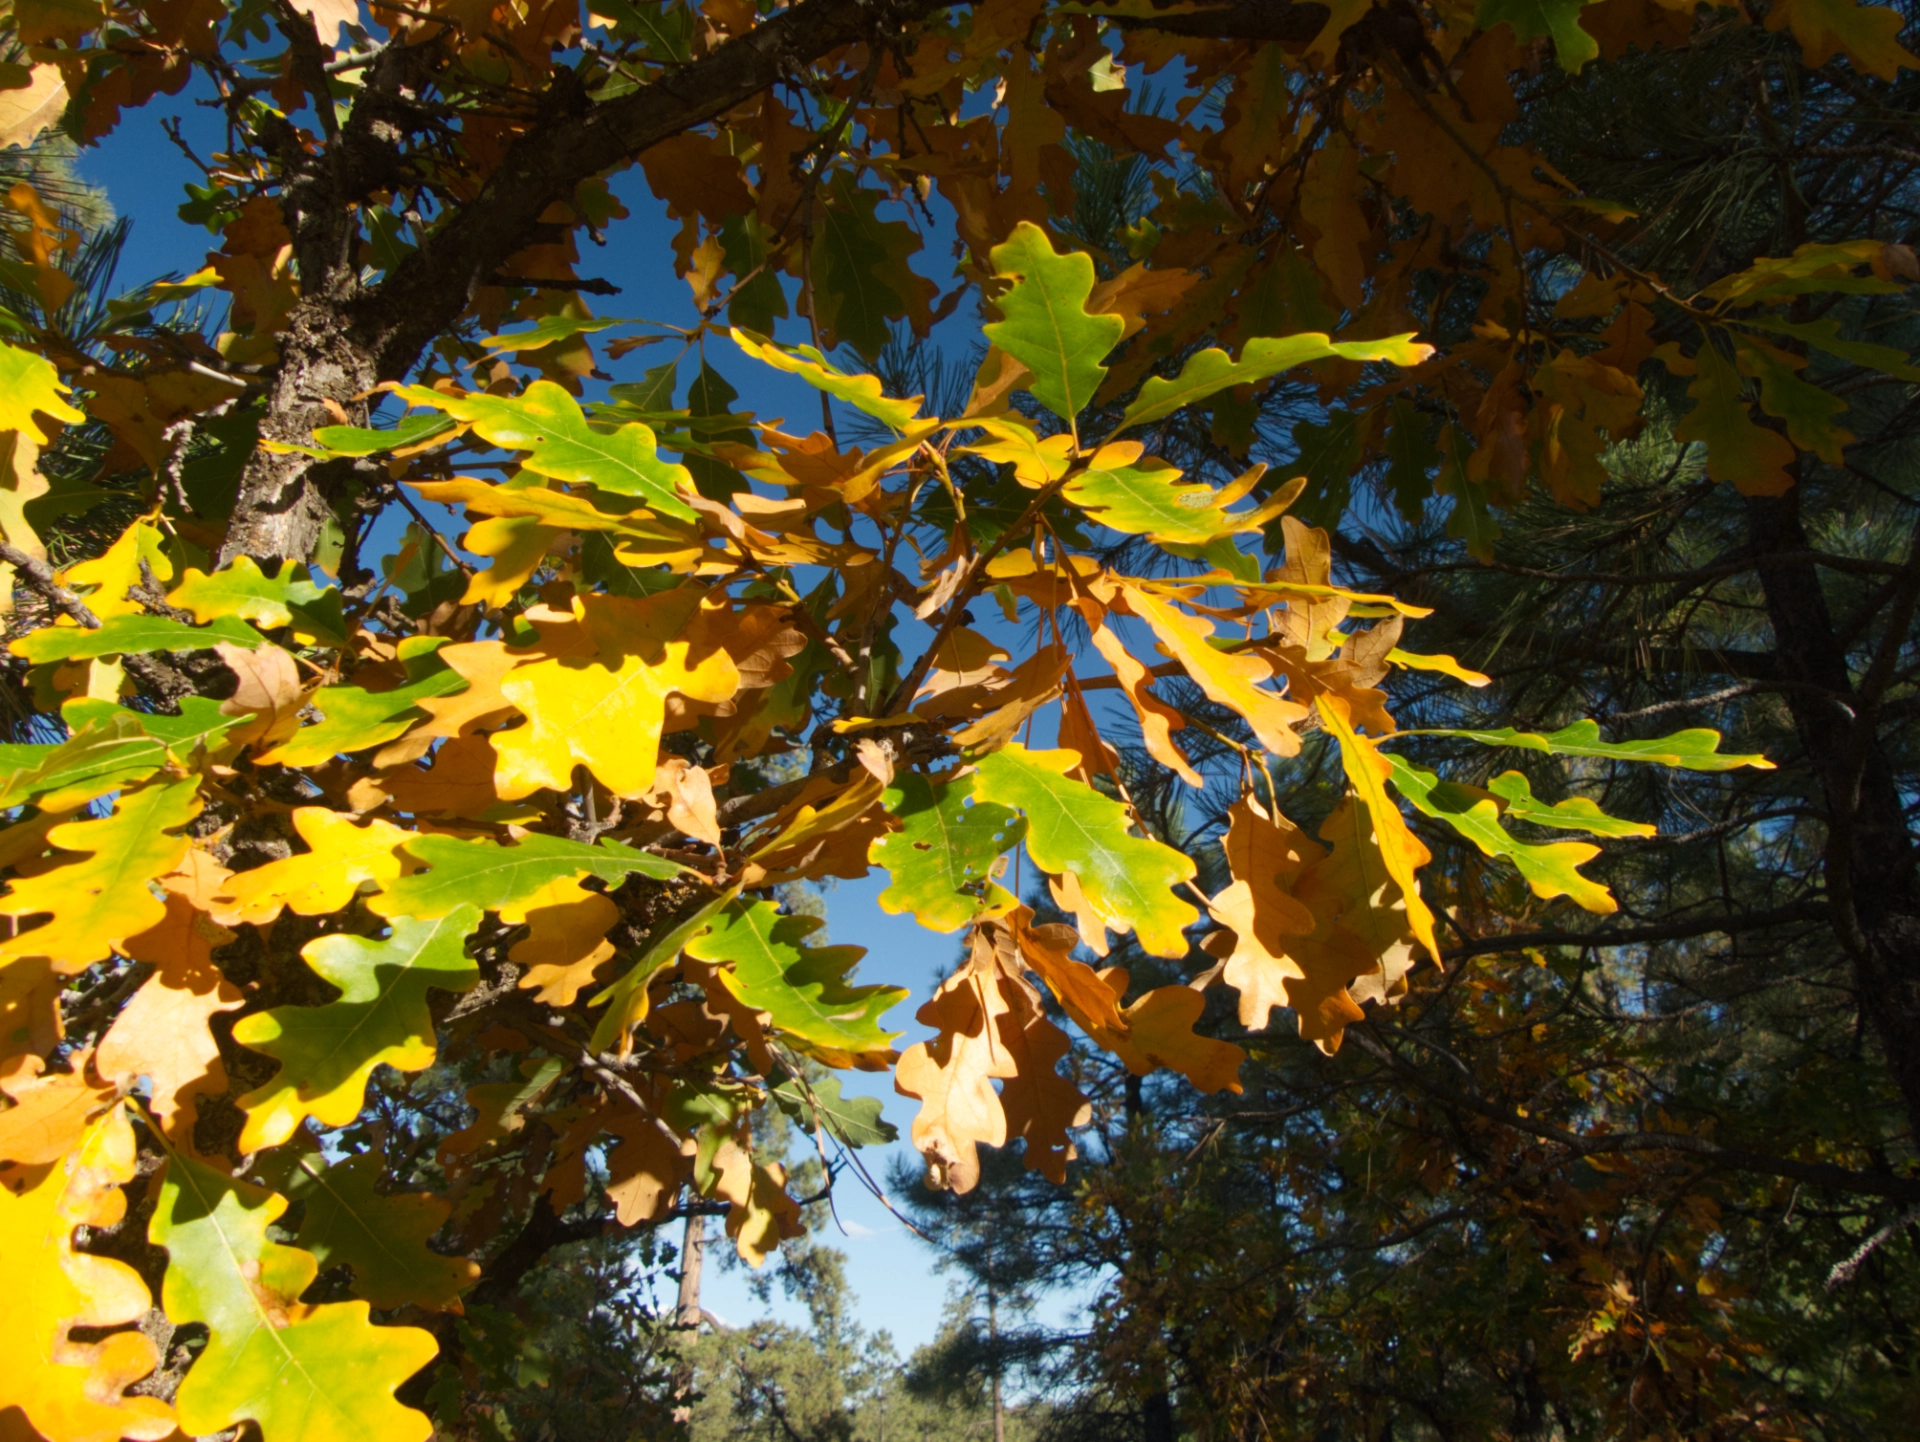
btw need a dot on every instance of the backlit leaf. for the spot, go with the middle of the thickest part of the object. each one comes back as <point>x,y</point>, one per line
<point>74,1391</point>
<point>1367,771</point>
<point>1576,813</point>
<point>854,1120</point>
<point>1211,370</point>
<point>94,888</point>
<point>29,384</point>
<point>1551,869</point>
<point>1046,326</point>
<point>1127,880</point>
<point>943,852</point>
<point>862,392</point>
<point>605,710</point>
<point>1693,750</point>
<point>327,1052</point>
<point>550,427</point>
<point>803,988</point>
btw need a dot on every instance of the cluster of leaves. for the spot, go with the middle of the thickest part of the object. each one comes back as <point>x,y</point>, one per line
<point>533,817</point>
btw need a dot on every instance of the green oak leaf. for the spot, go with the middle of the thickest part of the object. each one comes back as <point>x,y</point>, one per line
<point>944,850</point>
<point>803,988</point>
<point>861,275</point>
<point>370,441</point>
<point>626,998</point>
<point>1127,880</point>
<point>550,328</point>
<point>1046,326</point>
<point>381,1235</point>
<point>854,1120</point>
<point>131,635</point>
<point>243,590</point>
<point>110,748</point>
<point>200,720</point>
<point>1693,750</point>
<point>300,1373</point>
<point>1576,813</point>
<point>1145,498</point>
<point>1532,18</point>
<point>327,1052</point>
<point>486,874</point>
<point>1808,410</point>
<point>354,718</point>
<point>549,425</point>
<point>1211,370</point>
<point>1824,335</point>
<point>1551,869</point>
<point>860,391</point>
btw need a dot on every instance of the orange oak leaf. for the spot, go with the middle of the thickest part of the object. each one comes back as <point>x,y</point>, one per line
<point>162,1034</point>
<point>341,858</point>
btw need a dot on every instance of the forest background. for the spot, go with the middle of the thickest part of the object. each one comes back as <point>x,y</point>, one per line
<point>1437,1229</point>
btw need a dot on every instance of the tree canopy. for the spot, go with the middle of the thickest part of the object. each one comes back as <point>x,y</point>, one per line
<point>1383,444</point>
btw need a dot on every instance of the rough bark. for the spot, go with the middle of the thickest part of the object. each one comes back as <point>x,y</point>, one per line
<point>1869,864</point>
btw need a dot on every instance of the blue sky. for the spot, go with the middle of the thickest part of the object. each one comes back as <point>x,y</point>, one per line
<point>891,1272</point>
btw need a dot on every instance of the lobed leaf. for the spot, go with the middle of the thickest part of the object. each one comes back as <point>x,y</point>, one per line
<point>1127,880</point>
<point>1551,869</point>
<point>300,1373</point>
<point>484,873</point>
<point>1209,371</point>
<point>802,988</point>
<point>548,424</point>
<point>1046,325</point>
<point>1697,749</point>
<point>131,635</point>
<point>326,1053</point>
<point>944,850</point>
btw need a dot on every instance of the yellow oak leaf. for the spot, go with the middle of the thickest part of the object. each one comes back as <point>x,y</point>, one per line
<point>760,1214</point>
<point>1231,680</point>
<point>1402,852</point>
<point>484,664</point>
<point>73,1391</point>
<point>1158,719</point>
<point>340,859</point>
<point>94,889</point>
<point>606,712</point>
<point>103,581</point>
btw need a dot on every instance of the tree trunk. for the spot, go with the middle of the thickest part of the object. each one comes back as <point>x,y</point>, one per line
<point>1869,865</point>
<point>1156,1414</point>
<point>693,1247</point>
<point>285,499</point>
<point>993,1342</point>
